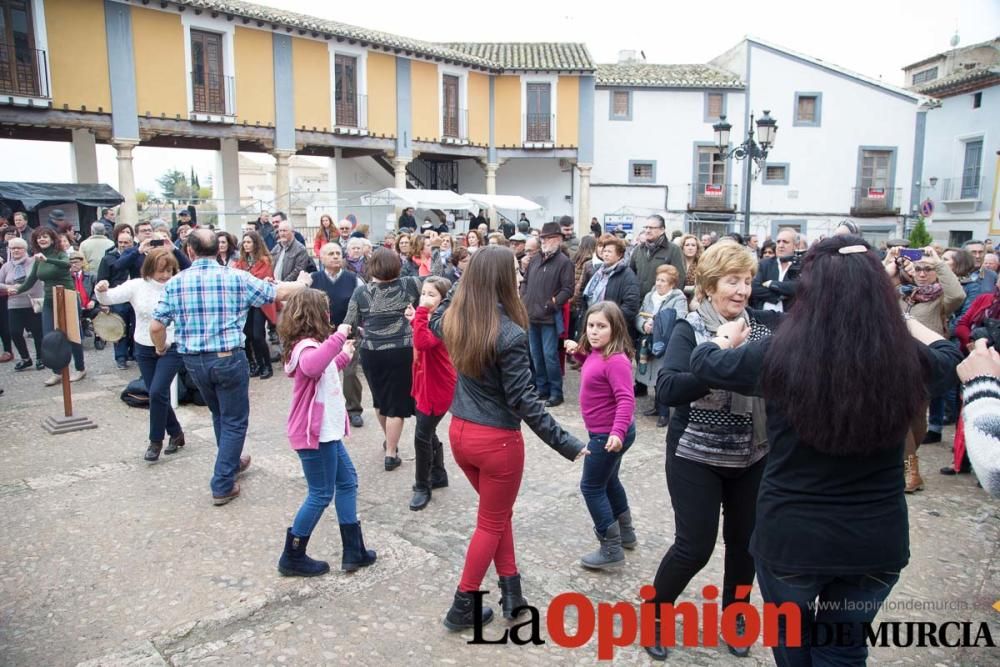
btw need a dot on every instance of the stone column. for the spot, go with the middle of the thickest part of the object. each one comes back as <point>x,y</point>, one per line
<point>227,170</point>
<point>84,157</point>
<point>491,189</point>
<point>583,215</point>
<point>282,182</point>
<point>399,169</point>
<point>126,181</point>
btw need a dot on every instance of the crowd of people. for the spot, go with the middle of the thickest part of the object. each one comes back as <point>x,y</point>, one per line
<point>809,469</point>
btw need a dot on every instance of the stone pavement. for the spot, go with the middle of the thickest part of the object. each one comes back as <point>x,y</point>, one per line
<point>106,560</point>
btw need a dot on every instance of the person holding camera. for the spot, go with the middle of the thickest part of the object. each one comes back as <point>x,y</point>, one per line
<point>929,292</point>
<point>774,286</point>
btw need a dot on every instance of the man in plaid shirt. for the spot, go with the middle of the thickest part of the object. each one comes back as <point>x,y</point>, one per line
<point>208,304</point>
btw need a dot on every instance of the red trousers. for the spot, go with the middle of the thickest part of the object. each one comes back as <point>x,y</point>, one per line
<point>493,460</point>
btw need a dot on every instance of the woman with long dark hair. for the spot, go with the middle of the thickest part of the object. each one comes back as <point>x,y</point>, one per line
<point>229,251</point>
<point>716,442</point>
<point>492,397</point>
<point>255,258</point>
<point>327,233</point>
<point>831,515</point>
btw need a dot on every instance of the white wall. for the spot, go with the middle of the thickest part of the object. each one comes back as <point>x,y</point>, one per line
<point>823,161</point>
<point>948,127</point>
<point>665,126</point>
<point>542,181</point>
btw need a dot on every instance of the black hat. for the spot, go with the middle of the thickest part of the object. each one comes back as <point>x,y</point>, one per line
<point>550,229</point>
<point>56,351</point>
<point>184,211</point>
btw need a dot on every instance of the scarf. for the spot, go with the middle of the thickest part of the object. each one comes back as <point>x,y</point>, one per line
<point>657,300</point>
<point>914,294</point>
<point>356,265</point>
<point>20,271</point>
<point>598,284</point>
<point>706,322</point>
<point>78,283</point>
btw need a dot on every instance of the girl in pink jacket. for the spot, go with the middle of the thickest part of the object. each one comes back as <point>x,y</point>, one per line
<point>317,425</point>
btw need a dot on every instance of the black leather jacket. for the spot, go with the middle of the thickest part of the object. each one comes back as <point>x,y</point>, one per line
<point>502,397</point>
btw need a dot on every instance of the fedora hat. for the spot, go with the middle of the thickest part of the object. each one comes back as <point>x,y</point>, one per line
<point>550,229</point>
<point>56,351</point>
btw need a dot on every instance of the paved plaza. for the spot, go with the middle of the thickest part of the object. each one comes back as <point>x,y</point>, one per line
<point>106,560</point>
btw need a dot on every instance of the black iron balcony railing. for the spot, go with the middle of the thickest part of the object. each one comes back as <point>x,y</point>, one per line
<point>352,111</point>
<point>875,201</point>
<point>711,197</point>
<point>23,72</point>
<point>213,94</point>
<point>455,123</point>
<point>538,127</point>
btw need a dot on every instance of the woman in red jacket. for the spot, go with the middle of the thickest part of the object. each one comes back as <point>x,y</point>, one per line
<point>433,388</point>
<point>327,233</point>
<point>255,258</point>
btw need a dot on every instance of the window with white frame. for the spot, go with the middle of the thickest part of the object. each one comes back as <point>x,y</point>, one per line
<point>621,105</point>
<point>972,169</point>
<point>714,106</point>
<point>210,66</point>
<point>538,113</point>
<point>349,88</point>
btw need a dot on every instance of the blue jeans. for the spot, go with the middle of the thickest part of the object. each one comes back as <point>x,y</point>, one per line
<point>224,383</point>
<point>125,346</point>
<point>49,325</point>
<point>602,491</point>
<point>158,372</point>
<point>330,475</point>
<point>863,595</point>
<point>544,344</point>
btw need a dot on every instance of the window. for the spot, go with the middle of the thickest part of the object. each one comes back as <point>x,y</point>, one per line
<point>775,174</point>
<point>621,105</point>
<point>808,109</point>
<point>538,121</point>
<point>925,76</point>
<point>875,170</point>
<point>449,84</point>
<point>971,169</point>
<point>345,77</point>
<point>208,85</point>
<point>20,62</point>
<point>710,190</point>
<point>641,171</point>
<point>977,100</point>
<point>714,106</point>
<point>711,166</point>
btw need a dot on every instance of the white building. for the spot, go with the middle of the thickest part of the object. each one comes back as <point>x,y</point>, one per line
<point>961,140</point>
<point>845,145</point>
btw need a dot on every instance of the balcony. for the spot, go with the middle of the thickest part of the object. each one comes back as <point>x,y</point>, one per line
<point>24,75</point>
<point>351,115</point>
<point>961,195</point>
<point>538,130</point>
<point>711,197</point>
<point>213,97</point>
<point>875,202</point>
<point>454,126</point>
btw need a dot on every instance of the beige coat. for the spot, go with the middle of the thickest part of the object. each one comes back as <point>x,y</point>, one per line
<point>934,314</point>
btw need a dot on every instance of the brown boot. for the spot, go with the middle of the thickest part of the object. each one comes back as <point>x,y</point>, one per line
<point>914,482</point>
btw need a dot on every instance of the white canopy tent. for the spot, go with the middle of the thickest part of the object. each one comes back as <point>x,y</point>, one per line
<point>445,200</point>
<point>506,202</point>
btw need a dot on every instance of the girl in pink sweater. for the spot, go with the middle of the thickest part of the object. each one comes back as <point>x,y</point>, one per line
<point>317,425</point>
<point>607,402</point>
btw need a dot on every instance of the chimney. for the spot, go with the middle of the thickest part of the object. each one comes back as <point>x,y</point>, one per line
<point>626,56</point>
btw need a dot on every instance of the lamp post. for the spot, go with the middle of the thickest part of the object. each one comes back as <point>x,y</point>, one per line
<point>753,151</point>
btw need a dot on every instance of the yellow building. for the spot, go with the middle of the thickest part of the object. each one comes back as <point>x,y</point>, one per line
<point>234,76</point>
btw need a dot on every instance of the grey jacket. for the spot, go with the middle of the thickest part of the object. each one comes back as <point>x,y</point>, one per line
<point>503,396</point>
<point>296,259</point>
<point>7,278</point>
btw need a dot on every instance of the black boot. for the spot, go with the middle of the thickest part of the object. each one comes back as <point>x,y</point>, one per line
<point>266,371</point>
<point>295,563</point>
<point>355,554</point>
<point>421,496</point>
<point>153,451</point>
<point>175,443</point>
<point>512,603</point>
<point>741,629</point>
<point>439,476</point>
<point>254,369</point>
<point>657,651</point>
<point>462,614</point>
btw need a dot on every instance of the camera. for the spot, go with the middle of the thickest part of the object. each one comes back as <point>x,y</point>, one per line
<point>990,330</point>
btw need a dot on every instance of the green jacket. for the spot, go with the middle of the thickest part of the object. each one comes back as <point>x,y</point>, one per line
<point>645,262</point>
<point>53,271</point>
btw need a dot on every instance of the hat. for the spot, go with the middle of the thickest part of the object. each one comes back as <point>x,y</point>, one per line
<point>184,211</point>
<point>620,233</point>
<point>427,225</point>
<point>518,238</point>
<point>76,254</point>
<point>56,351</point>
<point>902,243</point>
<point>550,229</point>
<point>57,214</point>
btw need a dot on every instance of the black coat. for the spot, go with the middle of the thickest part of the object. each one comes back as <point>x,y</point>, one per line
<point>548,284</point>
<point>623,289</point>
<point>778,291</point>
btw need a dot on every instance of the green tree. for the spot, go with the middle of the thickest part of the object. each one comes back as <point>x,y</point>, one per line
<point>195,186</point>
<point>919,236</point>
<point>174,184</point>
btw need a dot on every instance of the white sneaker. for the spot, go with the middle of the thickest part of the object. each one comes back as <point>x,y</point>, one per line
<point>76,376</point>
<point>53,380</point>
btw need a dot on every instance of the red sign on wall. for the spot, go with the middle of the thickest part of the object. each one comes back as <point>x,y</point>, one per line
<point>876,193</point>
<point>713,190</point>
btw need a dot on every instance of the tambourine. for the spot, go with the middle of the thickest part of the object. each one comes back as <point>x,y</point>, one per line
<point>109,327</point>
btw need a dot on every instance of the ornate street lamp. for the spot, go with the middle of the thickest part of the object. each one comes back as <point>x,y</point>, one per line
<point>753,151</point>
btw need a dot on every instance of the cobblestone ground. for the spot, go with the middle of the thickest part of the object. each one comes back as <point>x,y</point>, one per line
<point>106,560</point>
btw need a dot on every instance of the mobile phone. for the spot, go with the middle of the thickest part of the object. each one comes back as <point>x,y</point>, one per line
<point>912,255</point>
<point>156,243</point>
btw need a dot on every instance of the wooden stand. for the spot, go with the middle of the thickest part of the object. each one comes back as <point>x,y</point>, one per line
<point>67,423</point>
